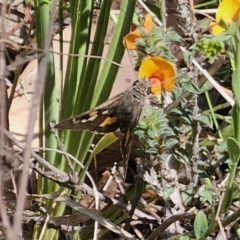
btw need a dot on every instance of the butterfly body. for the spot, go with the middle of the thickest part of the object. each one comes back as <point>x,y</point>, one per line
<point>130,106</point>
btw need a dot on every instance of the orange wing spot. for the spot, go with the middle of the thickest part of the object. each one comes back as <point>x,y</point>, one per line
<point>108,121</point>
<point>92,113</point>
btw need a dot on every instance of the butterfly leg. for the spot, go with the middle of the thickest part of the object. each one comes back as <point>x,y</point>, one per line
<point>125,147</point>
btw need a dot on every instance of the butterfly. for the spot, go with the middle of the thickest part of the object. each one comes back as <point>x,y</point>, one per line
<point>121,112</point>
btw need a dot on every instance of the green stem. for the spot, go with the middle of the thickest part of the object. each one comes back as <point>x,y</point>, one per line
<point>213,115</point>
<point>233,143</point>
<point>236,73</point>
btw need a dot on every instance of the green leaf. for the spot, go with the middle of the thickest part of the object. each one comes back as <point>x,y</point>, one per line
<point>205,119</point>
<point>187,57</point>
<point>222,146</point>
<point>136,19</point>
<point>103,143</point>
<point>205,87</point>
<point>223,24</point>
<point>200,225</point>
<point>49,110</point>
<point>204,23</point>
<point>115,53</point>
<point>233,149</point>
<point>88,82</point>
<point>189,86</point>
<point>182,155</point>
<point>227,132</point>
<point>207,193</point>
<point>168,192</point>
<point>173,36</point>
<point>81,16</point>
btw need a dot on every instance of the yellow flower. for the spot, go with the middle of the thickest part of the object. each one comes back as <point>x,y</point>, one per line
<point>228,10</point>
<point>160,72</point>
<point>129,39</point>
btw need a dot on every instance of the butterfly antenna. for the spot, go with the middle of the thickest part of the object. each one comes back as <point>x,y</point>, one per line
<point>130,57</point>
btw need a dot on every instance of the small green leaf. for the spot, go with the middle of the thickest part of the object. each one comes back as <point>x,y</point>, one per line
<point>168,192</point>
<point>200,225</point>
<point>207,142</point>
<point>172,36</point>
<point>103,143</point>
<point>222,146</point>
<point>136,19</point>
<point>223,24</point>
<point>205,119</point>
<point>204,23</point>
<point>182,155</point>
<point>227,132</point>
<point>187,57</point>
<point>207,194</point>
<point>205,87</point>
<point>233,149</point>
<point>143,32</point>
<point>189,86</point>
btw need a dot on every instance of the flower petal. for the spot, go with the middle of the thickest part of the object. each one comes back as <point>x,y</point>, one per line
<point>216,29</point>
<point>228,10</point>
<point>158,68</point>
<point>156,86</point>
<point>130,39</point>
<point>148,23</point>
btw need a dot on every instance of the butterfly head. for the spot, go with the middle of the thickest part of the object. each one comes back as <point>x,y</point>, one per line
<point>143,86</point>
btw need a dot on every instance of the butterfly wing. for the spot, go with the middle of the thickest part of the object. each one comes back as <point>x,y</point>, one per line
<point>102,119</point>
<point>121,112</point>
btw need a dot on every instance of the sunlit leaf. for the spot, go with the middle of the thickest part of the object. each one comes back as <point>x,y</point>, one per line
<point>200,224</point>
<point>205,119</point>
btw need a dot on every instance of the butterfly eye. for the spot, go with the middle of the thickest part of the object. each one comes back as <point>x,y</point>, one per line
<point>135,83</point>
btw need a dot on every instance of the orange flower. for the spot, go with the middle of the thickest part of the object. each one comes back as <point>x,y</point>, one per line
<point>228,10</point>
<point>129,39</point>
<point>160,72</point>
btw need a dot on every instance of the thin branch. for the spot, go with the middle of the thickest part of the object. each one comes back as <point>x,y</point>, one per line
<point>64,176</point>
<point>76,55</point>
<point>3,115</point>
<point>168,222</point>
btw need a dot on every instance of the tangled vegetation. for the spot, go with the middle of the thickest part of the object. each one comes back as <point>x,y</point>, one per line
<point>183,176</point>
